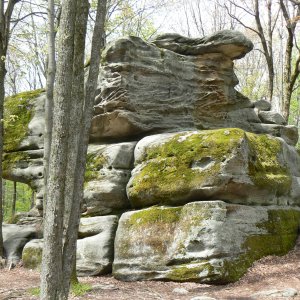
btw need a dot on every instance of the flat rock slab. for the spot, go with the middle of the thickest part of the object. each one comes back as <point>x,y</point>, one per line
<point>228,42</point>
<point>207,242</point>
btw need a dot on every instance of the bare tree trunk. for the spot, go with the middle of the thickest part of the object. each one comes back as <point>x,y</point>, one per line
<point>289,76</point>
<point>52,277</point>
<point>2,93</point>
<point>13,206</point>
<point>49,99</point>
<point>72,205</point>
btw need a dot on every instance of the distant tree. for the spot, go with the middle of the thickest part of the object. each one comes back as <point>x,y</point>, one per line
<point>6,10</point>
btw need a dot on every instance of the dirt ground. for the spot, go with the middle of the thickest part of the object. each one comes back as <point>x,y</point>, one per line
<point>267,274</point>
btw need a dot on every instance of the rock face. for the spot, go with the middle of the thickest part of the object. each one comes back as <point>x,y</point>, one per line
<point>94,248</point>
<point>15,238</point>
<point>170,129</point>
<point>227,164</point>
<point>107,174</point>
<point>174,84</point>
<point>209,241</point>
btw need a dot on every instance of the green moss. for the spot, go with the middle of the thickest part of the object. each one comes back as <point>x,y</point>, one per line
<point>18,111</point>
<point>94,163</point>
<point>32,258</point>
<point>265,169</point>
<point>278,237</point>
<point>168,173</point>
<point>9,160</point>
<point>154,215</point>
<point>192,272</point>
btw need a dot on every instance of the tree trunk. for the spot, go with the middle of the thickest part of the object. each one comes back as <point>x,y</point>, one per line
<point>52,277</point>
<point>2,95</point>
<point>72,205</point>
<point>49,97</point>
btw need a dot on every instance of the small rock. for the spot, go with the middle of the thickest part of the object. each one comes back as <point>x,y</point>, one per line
<point>263,105</point>
<point>181,291</point>
<point>289,292</point>
<point>271,117</point>
<point>202,298</point>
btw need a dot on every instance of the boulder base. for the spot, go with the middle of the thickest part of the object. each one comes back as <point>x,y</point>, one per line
<point>207,242</point>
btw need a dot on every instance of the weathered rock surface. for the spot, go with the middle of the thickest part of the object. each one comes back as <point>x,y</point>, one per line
<point>227,164</point>
<point>177,84</point>
<point>275,293</point>
<point>95,251</point>
<point>14,239</point>
<point>209,241</point>
<point>107,174</point>
<point>271,117</point>
<point>228,42</point>
<point>32,254</point>
<point>24,140</point>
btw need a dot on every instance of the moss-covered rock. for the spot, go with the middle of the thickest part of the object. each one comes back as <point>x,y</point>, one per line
<point>32,254</point>
<point>107,173</point>
<point>227,164</point>
<point>207,241</point>
<point>18,112</point>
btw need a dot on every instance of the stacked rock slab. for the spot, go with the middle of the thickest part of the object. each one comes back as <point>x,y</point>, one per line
<point>204,180</point>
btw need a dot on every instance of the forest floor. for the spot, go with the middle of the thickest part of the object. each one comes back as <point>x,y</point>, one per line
<point>275,276</point>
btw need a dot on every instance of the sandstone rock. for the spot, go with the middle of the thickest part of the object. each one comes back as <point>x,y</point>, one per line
<point>181,291</point>
<point>271,117</point>
<point>14,239</point>
<point>207,242</point>
<point>172,84</point>
<point>263,105</point>
<point>94,251</point>
<point>107,174</point>
<point>228,42</point>
<point>94,225</point>
<point>32,254</point>
<point>275,293</point>
<point>226,164</point>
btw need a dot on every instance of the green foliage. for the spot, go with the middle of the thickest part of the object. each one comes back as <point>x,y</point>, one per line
<point>34,291</point>
<point>23,203</point>
<point>80,289</point>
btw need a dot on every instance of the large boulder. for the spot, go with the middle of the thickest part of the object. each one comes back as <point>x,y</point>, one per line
<point>227,164</point>
<point>108,171</point>
<point>173,84</point>
<point>207,242</point>
<point>95,248</point>
<point>15,238</point>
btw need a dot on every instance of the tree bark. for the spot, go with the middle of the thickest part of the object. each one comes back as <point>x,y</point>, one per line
<point>72,205</point>
<point>289,75</point>
<point>51,275</point>
<point>49,97</point>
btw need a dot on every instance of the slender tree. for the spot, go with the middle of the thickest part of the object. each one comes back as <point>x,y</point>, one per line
<point>71,122</point>
<point>291,71</point>
<point>5,18</point>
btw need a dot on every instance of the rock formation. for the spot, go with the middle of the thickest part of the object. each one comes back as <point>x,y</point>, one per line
<point>170,130</point>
